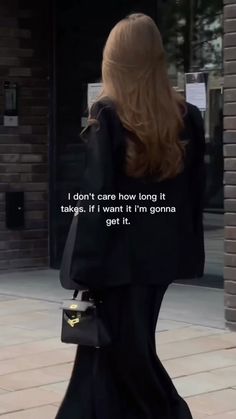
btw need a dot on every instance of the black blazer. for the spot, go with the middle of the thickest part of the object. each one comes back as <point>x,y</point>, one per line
<point>156,248</point>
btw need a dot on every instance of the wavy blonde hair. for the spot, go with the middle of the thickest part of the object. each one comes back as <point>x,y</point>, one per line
<point>135,78</point>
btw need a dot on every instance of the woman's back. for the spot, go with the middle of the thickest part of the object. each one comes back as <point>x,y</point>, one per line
<point>156,235</point>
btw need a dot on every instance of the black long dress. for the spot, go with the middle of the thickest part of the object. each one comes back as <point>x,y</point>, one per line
<point>125,380</point>
<point>131,266</point>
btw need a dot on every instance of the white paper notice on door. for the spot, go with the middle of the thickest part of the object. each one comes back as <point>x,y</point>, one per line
<point>92,93</point>
<point>196,90</point>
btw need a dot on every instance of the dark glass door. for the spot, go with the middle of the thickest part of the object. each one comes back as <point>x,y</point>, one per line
<point>80,29</point>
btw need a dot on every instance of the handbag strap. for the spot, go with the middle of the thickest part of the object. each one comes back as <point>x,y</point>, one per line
<point>65,268</point>
<point>67,256</point>
<point>76,292</point>
<point>81,291</point>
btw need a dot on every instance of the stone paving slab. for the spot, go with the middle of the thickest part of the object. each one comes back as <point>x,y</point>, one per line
<point>44,412</point>
<point>35,361</point>
<point>197,345</point>
<point>58,388</point>
<point>201,383</point>
<point>185,333</point>
<point>35,365</point>
<point>36,377</point>
<point>225,415</point>
<point>207,361</point>
<point>226,375</point>
<point>26,399</point>
<point>213,403</point>
<point>165,325</point>
<point>23,305</point>
<point>7,298</point>
<point>35,347</point>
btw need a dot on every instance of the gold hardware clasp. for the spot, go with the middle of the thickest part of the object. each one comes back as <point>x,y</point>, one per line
<point>73,322</point>
<point>73,305</point>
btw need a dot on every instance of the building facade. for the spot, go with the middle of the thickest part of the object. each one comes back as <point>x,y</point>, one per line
<point>50,52</point>
<point>230,160</point>
<point>24,148</point>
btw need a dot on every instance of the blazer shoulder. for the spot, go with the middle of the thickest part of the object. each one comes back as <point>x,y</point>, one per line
<point>100,105</point>
<point>105,121</point>
<point>98,115</point>
<point>105,112</point>
<point>194,114</point>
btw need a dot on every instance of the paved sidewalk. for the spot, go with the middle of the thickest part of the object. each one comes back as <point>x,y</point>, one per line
<point>198,353</point>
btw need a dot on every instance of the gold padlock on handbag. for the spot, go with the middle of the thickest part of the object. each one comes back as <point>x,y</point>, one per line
<point>73,321</point>
<point>72,311</point>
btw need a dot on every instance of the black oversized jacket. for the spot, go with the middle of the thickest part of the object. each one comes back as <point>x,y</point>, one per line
<point>155,248</point>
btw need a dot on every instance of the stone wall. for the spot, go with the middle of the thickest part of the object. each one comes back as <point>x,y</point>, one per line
<point>24,149</point>
<point>230,160</point>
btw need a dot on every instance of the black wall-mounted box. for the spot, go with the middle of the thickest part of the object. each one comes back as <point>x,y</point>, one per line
<point>15,210</point>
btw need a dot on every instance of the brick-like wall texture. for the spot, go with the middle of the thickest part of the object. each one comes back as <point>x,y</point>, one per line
<point>24,149</point>
<point>230,160</point>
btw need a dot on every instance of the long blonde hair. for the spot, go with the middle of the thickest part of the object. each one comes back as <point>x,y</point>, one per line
<point>135,78</point>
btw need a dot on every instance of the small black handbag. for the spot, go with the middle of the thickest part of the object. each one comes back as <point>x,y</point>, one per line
<point>81,324</point>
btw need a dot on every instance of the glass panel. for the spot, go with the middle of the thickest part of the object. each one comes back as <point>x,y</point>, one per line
<point>192,32</point>
<point>81,29</point>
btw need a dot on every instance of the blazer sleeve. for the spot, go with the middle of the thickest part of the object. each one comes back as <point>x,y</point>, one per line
<point>93,237</point>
